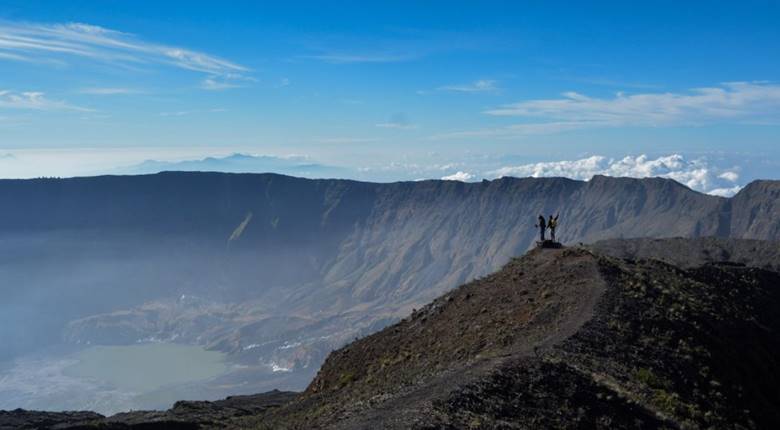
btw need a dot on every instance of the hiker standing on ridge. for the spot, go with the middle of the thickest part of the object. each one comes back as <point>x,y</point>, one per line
<point>551,225</point>
<point>542,227</point>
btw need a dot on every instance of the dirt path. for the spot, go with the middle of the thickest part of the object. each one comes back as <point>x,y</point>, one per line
<point>554,305</point>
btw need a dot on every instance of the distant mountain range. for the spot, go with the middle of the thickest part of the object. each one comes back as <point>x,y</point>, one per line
<point>241,163</point>
<point>282,269</point>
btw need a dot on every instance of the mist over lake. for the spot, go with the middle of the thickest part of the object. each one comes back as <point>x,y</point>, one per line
<point>109,379</point>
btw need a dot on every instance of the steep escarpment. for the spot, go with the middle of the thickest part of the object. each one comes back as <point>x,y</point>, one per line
<point>108,259</point>
<point>654,207</point>
<point>567,338</point>
<point>754,211</point>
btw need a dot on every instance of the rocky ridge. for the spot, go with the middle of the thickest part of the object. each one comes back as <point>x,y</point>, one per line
<point>568,338</point>
<point>689,253</point>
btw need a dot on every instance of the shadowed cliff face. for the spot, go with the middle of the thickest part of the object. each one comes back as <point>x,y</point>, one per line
<point>755,211</point>
<point>290,268</point>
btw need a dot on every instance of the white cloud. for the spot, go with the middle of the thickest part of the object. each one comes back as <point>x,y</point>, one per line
<point>696,174</point>
<point>188,112</point>
<point>14,57</point>
<point>393,46</point>
<point>34,100</point>
<point>458,176</point>
<point>110,91</point>
<point>214,84</point>
<point>725,192</point>
<point>513,131</point>
<point>335,140</point>
<point>27,41</point>
<point>480,86</point>
<point>729,176</point>
<point>350,58</point>
<point>733,101</point>
<point>224,82</point>
<point>398,121</point>
<point>396,125</point>
<point>608,82</point>
<point>200,62</point>
<point>176,113</point>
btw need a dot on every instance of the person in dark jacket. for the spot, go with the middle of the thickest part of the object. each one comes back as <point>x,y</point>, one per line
<point>542,227</point>
<point>551,224</point>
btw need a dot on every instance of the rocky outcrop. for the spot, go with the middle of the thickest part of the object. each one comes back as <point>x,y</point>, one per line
<point>688,253</point>
<point>184,415</point>
<point>19,419</point>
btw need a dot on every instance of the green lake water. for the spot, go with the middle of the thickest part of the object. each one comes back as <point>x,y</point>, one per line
<point>147,367</point>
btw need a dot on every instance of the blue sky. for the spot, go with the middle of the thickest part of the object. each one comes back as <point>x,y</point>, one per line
<point>396,90</point>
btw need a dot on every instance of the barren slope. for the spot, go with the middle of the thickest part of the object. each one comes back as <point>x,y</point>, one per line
<point>565,339</point>
<point>557,339</point>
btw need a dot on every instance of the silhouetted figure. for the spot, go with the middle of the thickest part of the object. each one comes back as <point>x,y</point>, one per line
<point>551,224</point>
<point>542,227</point>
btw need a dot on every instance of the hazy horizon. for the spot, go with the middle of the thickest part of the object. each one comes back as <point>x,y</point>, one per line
<point>391,92</point>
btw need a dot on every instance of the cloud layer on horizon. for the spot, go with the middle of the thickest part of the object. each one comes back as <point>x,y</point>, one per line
<point>697,174</point>
<point>458,176</point>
